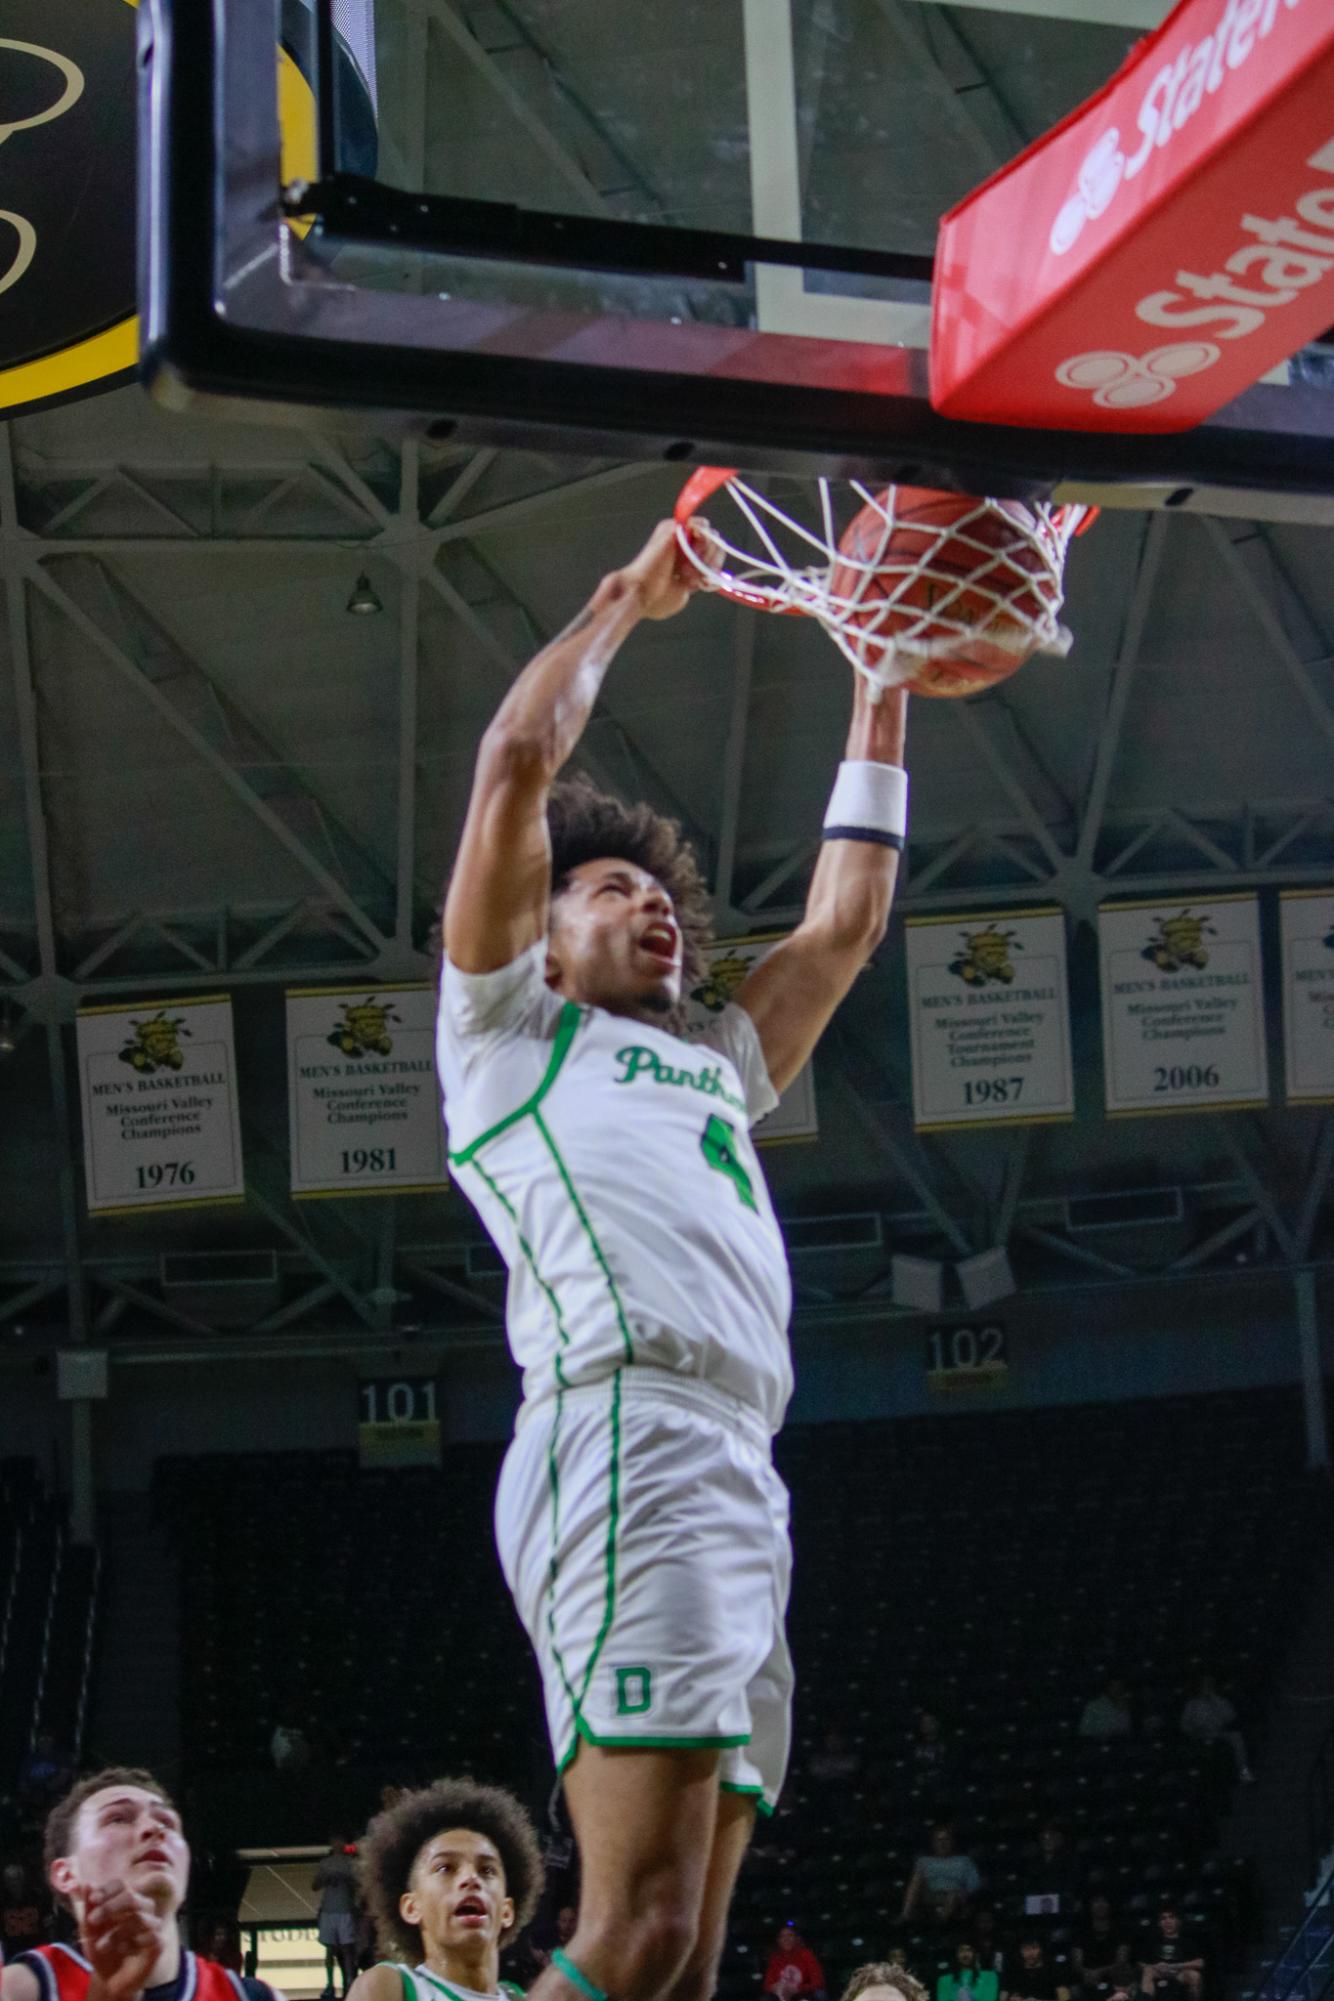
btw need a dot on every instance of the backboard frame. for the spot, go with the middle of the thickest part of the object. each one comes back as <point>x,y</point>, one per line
<point>237,309</point>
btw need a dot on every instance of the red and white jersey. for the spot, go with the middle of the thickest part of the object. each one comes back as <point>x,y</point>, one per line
<point>63,1974</point>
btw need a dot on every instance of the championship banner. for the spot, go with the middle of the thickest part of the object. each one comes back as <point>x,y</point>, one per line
<point>989,1019</point>
<point>728,962</point>
<point>1183,1005</point>
<point>157,1084</point>
<point>362,1097</point>
<point>1306,919</point>
<point>1176,233</point>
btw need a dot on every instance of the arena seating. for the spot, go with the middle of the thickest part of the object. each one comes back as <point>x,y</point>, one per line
<point>994,1568</point>
<point>47,1600</point>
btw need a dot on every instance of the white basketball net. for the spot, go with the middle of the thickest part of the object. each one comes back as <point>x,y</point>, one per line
<point>1011,559</point>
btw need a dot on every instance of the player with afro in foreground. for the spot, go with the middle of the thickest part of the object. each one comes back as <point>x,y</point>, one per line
<point>450,1875</point>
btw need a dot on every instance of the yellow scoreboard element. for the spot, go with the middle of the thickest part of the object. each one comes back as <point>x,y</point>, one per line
<point>398,1421</point>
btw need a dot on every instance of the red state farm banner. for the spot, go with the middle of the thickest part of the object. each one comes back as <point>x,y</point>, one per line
<point>1158,251</point>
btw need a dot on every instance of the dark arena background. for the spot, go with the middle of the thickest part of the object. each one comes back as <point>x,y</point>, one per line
<point>1057,1188</point>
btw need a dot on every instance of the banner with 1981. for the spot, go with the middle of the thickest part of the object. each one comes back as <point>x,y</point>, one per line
<point>157,1087</point>
<point>1183,1005</point>
<point>363,1101</point>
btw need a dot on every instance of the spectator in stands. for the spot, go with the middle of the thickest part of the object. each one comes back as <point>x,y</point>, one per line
<point>451,1874</point>
<point>1173,1969</point>
<point>1108,1714</point>
<point>943,1882</point>
<point>986,1941</point>
<point>792,1952</point>
<point>1031,1976</point>
<point>116,1857</point>
<point>45,1773</point>
<point>1209,1718</point>
<point>539,1952</point>
<point>837,1761</point>
<point>1051,1877</point>
<point>336,1918</point>
<point>289,1747</point>
<point>884,1980</point>
<point>1100,1953</point>
<point>966,1978</point>
<point>25,1915</point>
<point>927,1746</point>
<point>220,1939</point>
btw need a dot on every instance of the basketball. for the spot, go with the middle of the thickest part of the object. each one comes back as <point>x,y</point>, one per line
<point>910,579</point>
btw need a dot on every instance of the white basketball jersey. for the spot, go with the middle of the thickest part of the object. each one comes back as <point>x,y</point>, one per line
<point>613,1165</point>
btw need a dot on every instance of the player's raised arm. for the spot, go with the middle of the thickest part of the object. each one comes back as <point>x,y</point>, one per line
<point>498,893</point>
<point>793,993</point>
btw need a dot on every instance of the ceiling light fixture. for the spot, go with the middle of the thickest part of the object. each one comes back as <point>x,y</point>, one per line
<point>363,600</point>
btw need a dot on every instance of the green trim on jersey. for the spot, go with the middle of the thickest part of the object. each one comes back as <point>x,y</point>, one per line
<point>613,1528</point>
<point>583,1735</point>
<point>531,1260</point>
<point>589,1232</point>
<point>405,1975</point>
<point>553,1566</point>
<point>755,1793</point>
<point>409,1974</point>
<point>570,1018</point>
<point>576,1701</point>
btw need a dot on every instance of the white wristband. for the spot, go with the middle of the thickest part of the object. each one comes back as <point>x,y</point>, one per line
<point>869,802</point>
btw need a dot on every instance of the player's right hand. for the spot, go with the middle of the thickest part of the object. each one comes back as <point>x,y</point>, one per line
<point>121,1938</point>
<point>661,575</point>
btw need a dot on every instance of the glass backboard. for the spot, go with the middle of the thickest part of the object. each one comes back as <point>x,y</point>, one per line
<point>700,232</point>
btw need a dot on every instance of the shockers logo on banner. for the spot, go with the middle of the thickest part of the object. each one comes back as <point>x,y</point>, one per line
<point>157,1085</point>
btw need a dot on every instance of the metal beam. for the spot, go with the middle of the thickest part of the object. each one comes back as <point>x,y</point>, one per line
<point>734,760</point>
<point>13,570</point>
<point>900,1157</point>
<point>408,671</point>
<point>1105,13</point>
<point>1258,605</point>
<point>1258,1186</point>
<point>235,780</point>
<point>1317,1183</point>
<point>974,727</point>
<point>1118,695</point>
<point>563,164</point>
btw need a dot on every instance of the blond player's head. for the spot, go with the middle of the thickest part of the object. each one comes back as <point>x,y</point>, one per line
<point>117,1826</point>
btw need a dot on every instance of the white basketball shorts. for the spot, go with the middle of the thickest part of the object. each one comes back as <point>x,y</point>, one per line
<point>643,1533</point>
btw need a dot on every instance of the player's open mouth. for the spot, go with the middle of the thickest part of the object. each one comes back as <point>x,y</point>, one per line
<point>157,1855</point>
<point>471,1911</point>
<point>659,941</point>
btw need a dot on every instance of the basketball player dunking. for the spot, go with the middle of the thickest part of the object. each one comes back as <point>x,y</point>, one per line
<point>642,1528</point>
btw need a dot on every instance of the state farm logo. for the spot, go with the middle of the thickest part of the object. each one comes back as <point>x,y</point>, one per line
<point>1190,73</point>
<point>1097,181</point>
<point>1120,381</point>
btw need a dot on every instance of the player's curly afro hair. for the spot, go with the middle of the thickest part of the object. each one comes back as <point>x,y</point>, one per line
<point>588,825</point>
<point>884,1973</point>
<point>396,1837</point>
